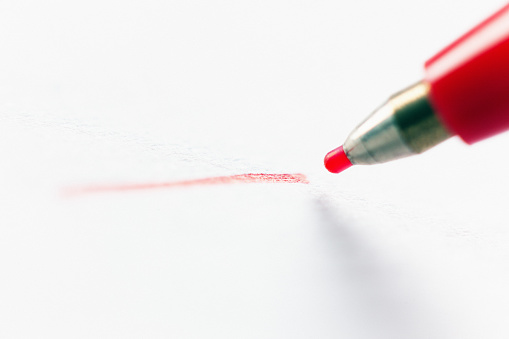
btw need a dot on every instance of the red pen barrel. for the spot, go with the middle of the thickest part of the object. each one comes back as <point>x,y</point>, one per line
<point>469,80</point>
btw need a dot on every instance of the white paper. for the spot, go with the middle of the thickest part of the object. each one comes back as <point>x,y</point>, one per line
<point>108,93</point>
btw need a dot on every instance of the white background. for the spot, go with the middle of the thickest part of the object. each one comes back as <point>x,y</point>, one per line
<point>118,92</point>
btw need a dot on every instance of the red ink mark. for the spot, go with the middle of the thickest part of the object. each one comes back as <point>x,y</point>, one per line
<point>233,179</point>
<point>336,160</point>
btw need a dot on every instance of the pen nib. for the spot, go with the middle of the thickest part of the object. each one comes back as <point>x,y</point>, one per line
<point>336,160</point>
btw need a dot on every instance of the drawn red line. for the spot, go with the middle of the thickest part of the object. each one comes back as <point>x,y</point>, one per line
<point>233,179</point>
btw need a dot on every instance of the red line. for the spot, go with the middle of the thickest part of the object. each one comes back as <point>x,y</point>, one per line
<point>233,179</point>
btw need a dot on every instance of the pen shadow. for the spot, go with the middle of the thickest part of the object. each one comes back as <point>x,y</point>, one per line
<point>384,303</point>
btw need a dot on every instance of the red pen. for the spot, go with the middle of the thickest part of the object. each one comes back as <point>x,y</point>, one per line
<point>465,92</point>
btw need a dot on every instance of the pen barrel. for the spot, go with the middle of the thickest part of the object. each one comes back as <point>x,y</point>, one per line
<point>404,125</point>
<point>469,80</point>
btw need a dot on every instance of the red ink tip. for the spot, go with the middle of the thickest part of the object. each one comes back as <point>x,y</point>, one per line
<point>336,160</point>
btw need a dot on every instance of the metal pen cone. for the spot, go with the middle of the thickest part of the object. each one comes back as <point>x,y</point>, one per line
<point>404,125</point>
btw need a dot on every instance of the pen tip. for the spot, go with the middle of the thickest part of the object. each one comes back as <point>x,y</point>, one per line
<point>336,160</point>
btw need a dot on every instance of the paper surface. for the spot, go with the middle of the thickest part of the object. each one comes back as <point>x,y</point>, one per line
<point>146,94</point>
